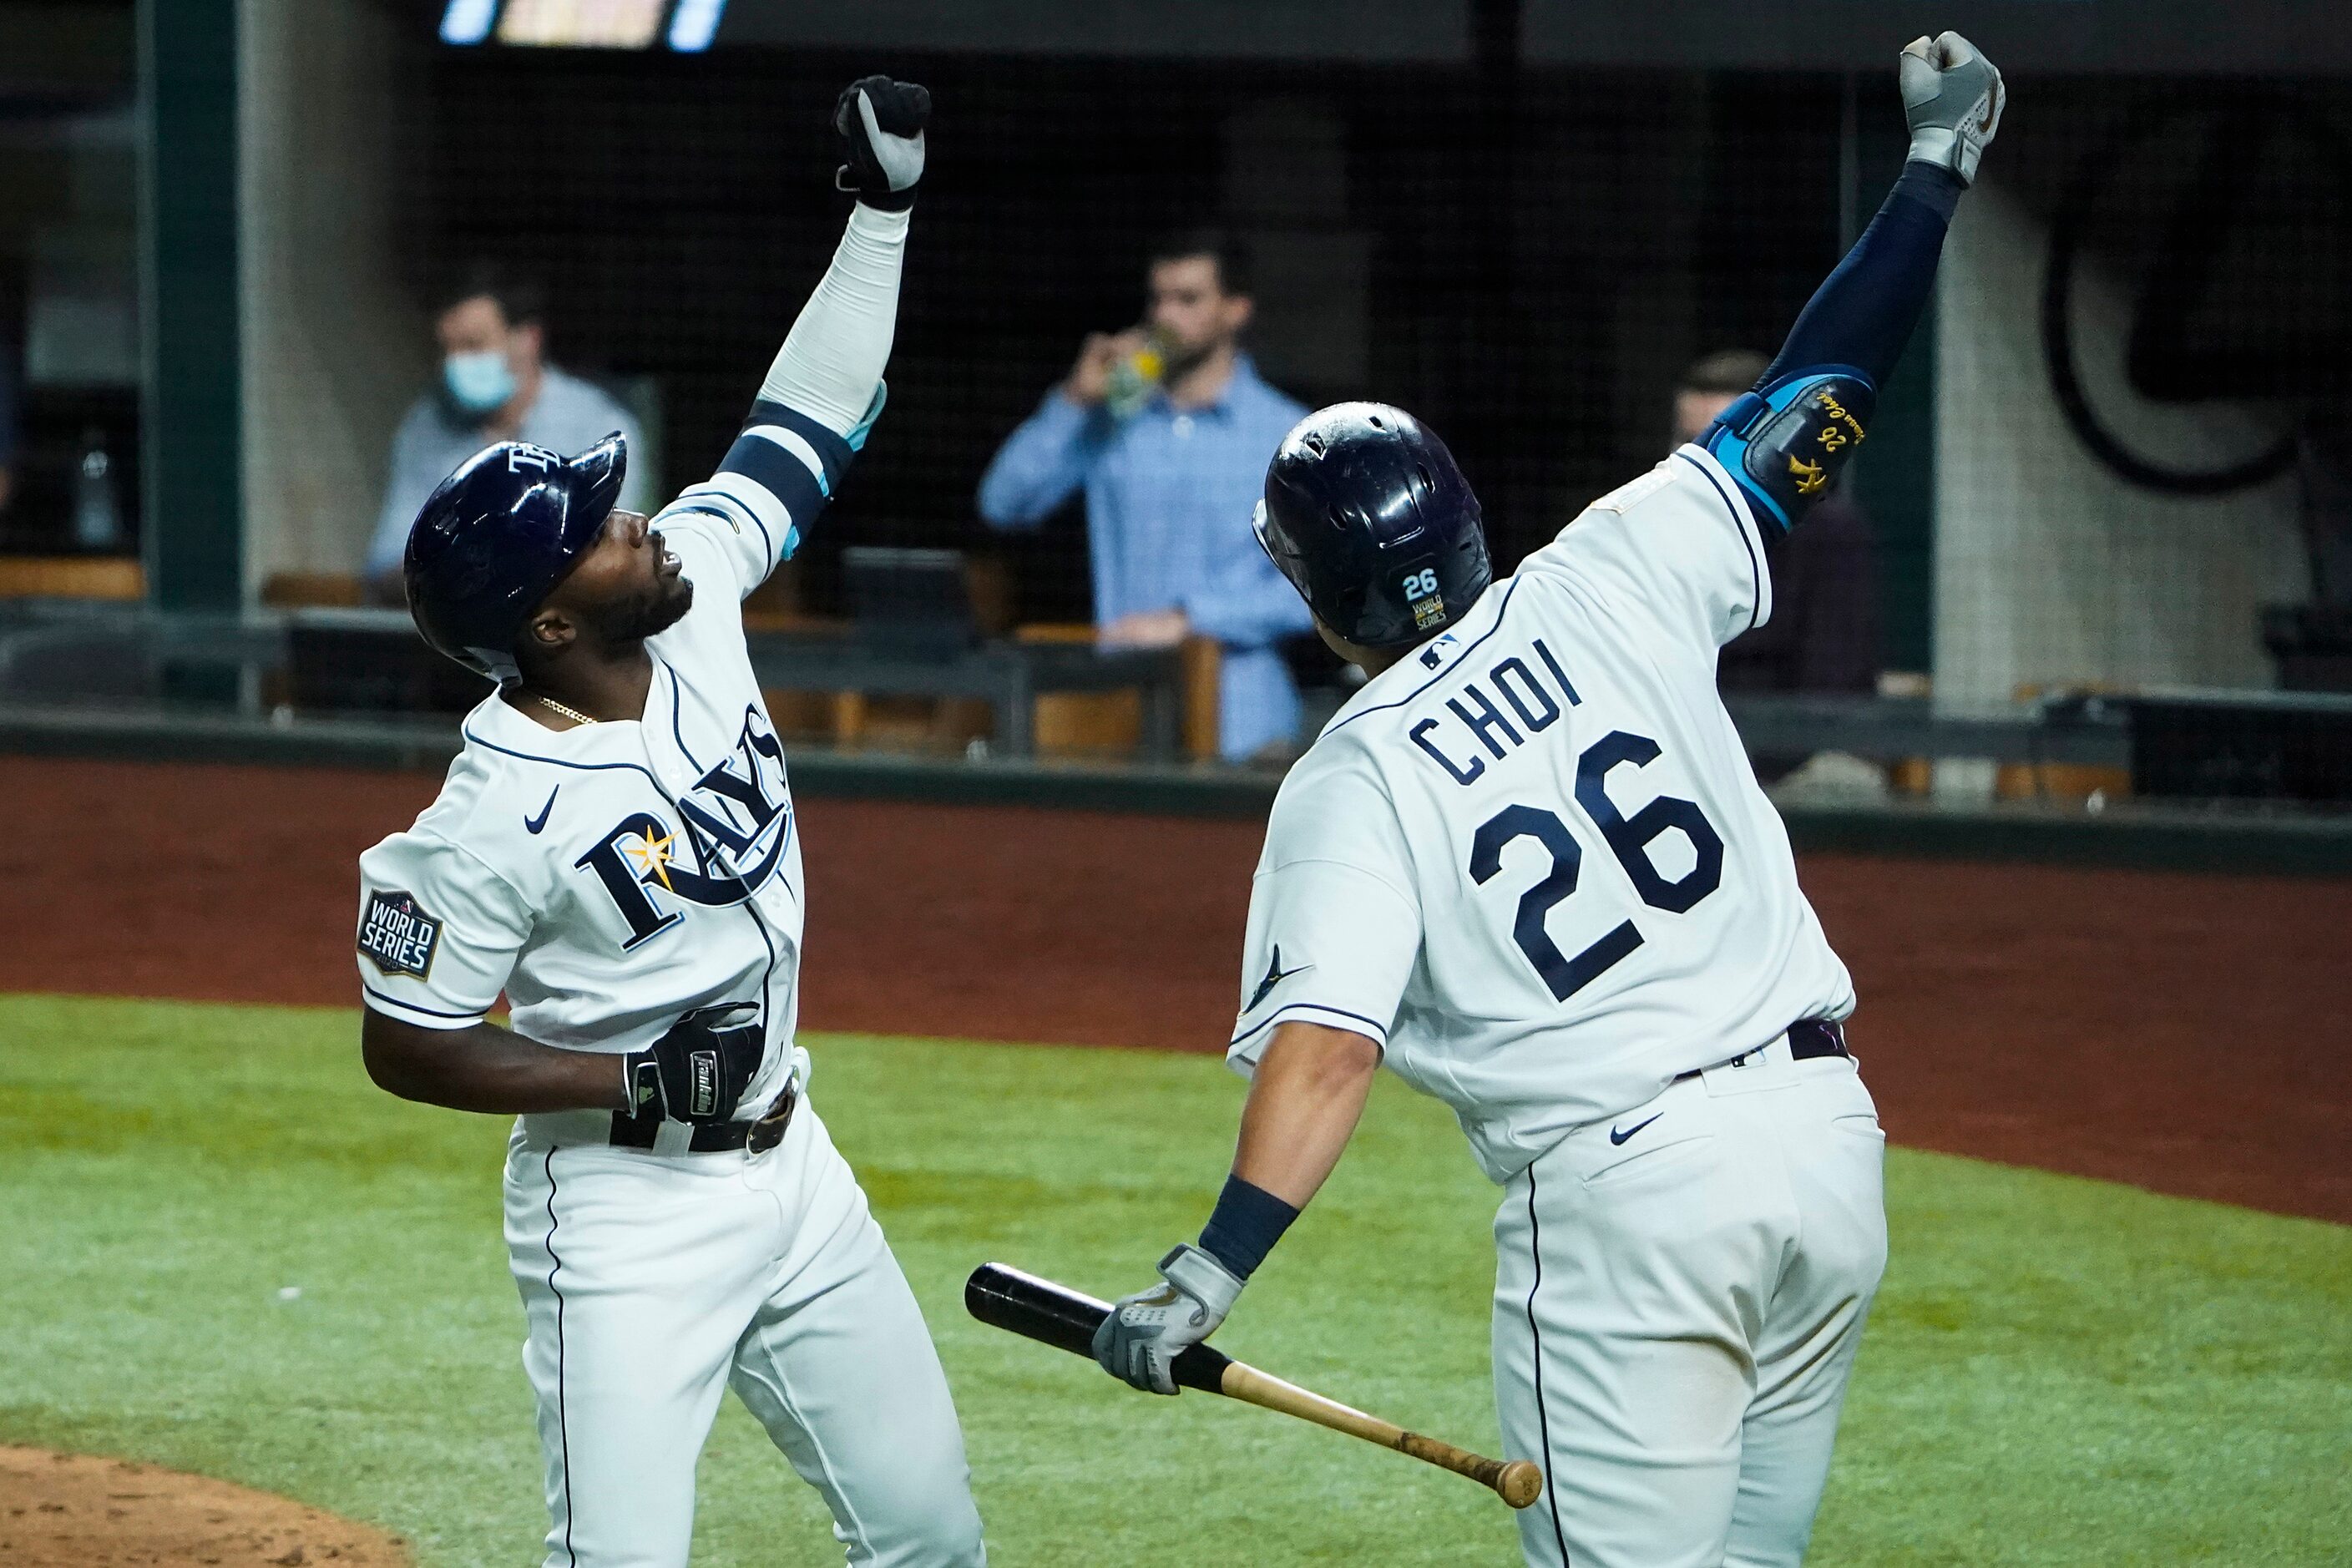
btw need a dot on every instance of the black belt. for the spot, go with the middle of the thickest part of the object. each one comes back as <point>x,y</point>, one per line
<point>1808,1038</point>
<point>713,1137</point>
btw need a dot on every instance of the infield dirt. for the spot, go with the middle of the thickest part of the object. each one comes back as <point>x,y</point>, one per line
<point>71,1510</point>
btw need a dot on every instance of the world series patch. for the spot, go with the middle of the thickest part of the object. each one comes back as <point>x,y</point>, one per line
<point>397,936</point>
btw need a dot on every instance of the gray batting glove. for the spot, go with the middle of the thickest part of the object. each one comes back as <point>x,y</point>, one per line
<point>1953,97</point>
<point>880,123</point>
<point>1145,1332</point>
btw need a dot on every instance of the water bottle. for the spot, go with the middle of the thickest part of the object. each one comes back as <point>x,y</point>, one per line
<point>98,516</point>
<point>1133,380</point>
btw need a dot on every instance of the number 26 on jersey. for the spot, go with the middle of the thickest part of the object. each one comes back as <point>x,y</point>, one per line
<point>1629,839</point>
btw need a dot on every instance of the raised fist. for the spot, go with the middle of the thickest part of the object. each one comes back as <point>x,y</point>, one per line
<point>1953,97</point>
<point>880,123</point>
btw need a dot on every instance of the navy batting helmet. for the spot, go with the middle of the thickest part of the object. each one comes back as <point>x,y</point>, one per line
<point>495,539</point>
<point>1368,518</point>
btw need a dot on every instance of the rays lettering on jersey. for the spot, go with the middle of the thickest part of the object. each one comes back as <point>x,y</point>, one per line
<point>735,821</point>
<point>1523,691</point>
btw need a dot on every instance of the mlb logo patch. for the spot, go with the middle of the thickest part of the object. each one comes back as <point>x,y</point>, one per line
<point>397,936</point>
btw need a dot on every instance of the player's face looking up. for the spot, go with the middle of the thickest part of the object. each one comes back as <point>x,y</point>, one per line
<point>1190,311</point>
<point>627,587</point>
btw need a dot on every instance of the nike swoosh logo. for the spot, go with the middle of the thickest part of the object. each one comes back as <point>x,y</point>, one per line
<point>1617,1137</point>
<point>533,823</point>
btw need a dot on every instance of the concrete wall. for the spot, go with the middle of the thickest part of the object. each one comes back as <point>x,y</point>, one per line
<point>334,347</point>
<point>2049,568</point>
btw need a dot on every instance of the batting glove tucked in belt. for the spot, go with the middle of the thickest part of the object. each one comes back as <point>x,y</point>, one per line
<point>880,123</point>
<point>1147,1330</point>
<point>1953,97</point>
<point>698,1071</point>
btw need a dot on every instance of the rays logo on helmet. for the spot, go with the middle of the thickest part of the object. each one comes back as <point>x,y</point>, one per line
<point>520,457</point>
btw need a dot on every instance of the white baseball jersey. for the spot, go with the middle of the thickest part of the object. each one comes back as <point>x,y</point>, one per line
<point>611,877</point>
<point>1530,859</point>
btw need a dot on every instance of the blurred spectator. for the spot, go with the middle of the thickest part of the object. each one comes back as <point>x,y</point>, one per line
<point>1823,634</point>
<point>496,385</point>
<point>1172,473</point>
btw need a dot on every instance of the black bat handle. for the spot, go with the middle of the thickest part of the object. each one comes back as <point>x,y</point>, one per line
<point>1007,1298</point>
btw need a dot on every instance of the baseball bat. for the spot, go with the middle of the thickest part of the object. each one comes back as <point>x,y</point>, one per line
<point>1007,1298</point>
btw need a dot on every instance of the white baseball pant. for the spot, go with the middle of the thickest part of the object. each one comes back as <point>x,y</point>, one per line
<point>651,1282</point>
<point>1679,1294</point>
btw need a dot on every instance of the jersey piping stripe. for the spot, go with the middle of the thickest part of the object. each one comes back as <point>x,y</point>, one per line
<point>1740,525</point>
<point>676,725</point>
<point>565,761</point>
<point>1292,1011</point>
<point>1543,1417</point>
<point>760,924</point>
<point>1509,589</point>
<point>710,491</point>
<point>739,487</point>
<point>766,539</point>
<point>562,1427</point>
<point>475,1017</point>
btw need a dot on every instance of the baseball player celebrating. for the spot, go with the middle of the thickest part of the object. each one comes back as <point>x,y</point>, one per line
<point>1528,865</point>
<point>615,850</point>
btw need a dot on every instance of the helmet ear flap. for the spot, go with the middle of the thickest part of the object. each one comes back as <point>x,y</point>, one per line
<point>1348,606</point>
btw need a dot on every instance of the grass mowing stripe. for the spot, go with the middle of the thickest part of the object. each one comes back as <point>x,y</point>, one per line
<point>2059,1372</point>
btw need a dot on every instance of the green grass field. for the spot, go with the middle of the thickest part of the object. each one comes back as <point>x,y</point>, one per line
<point>2058,1371</point>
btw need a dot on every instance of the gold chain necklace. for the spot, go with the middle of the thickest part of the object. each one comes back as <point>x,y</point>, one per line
<point>573,714</point>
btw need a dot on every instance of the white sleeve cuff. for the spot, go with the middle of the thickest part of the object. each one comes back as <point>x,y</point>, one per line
<point>423,1017</point>
<point>1245,1048</point>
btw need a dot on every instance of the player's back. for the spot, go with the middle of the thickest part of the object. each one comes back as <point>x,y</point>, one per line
<point>1553,794</point>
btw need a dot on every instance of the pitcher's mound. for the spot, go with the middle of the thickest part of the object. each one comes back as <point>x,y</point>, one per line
<point>69,1511</point>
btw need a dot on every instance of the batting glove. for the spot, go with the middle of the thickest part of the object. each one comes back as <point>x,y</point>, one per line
<point>698,1071</point>
<point>1145,1332</point>
<point>1953,97</point>
<point>880,123</point>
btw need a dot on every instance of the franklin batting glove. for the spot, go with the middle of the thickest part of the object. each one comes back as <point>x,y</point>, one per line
<point>1953,97</point>
<point>880,123</point>
<point>1145,1332</point>
<point>698,1071</point>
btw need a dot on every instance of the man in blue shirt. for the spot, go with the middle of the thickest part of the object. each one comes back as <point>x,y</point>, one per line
<point>1171,488</point>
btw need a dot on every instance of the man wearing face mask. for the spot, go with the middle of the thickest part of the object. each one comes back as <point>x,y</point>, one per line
<point>496,386</point>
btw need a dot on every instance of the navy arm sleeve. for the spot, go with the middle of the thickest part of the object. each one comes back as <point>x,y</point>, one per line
<point>1786,441</point>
